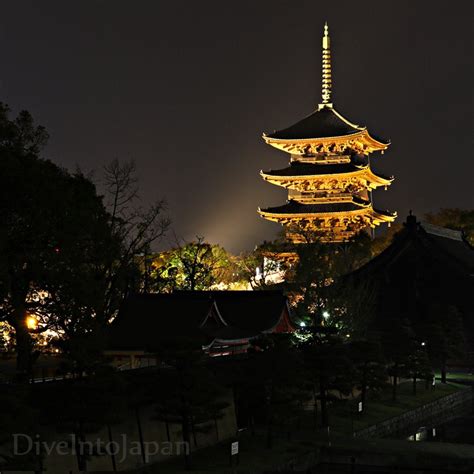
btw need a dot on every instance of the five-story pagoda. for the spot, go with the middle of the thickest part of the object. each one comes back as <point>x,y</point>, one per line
<point>329,179</point>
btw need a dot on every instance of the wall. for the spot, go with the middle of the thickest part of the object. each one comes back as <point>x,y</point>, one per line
<point>434,413</point>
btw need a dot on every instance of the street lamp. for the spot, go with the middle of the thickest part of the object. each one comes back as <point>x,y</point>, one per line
<point>31,322</point>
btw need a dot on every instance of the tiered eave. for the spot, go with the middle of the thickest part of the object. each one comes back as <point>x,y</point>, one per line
<point>329,177</point>
<point>311,177</point>
<point>325,131</point>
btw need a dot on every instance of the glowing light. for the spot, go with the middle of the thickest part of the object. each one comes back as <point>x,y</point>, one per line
<point>302,324</point>
<point>31,322</point>
<point>325,315</point>
<point>423,343</point>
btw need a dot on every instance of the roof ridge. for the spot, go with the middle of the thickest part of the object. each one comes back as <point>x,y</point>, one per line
<point>442,231</point>
<point>348,122</point>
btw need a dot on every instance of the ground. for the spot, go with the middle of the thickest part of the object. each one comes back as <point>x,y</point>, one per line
<point>255,457</point>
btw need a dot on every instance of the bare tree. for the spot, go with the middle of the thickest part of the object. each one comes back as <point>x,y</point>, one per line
<point>135,227</point>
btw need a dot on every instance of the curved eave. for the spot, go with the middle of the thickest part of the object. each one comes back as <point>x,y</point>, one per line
<point>366,172</point>
<point>361,135</point>
<point>382,145</point>
<point>383,216</point>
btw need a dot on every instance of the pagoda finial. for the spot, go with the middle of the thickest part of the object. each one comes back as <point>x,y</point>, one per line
<point>326,77</point>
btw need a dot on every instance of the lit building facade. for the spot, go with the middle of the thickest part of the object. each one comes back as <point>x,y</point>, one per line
<point>329,177</point>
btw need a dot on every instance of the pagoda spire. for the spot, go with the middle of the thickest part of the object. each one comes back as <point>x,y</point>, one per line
<point>329,178</point>
<point>326,76</point>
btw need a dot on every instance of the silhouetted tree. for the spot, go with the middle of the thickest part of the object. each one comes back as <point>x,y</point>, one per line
<point>186,391</point>
<point>398,342</point>
<point>444,336</point>
<point>370,370</point>
<point>327,365</point>
<point>137,229</point>
<point>54,233</point>
<point>417,366</point>
<point>277,366</point>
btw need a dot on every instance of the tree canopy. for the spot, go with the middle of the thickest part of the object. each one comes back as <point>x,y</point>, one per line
<point>66,260</point>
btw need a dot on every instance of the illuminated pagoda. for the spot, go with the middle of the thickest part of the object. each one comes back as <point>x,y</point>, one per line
<point>329,178</point>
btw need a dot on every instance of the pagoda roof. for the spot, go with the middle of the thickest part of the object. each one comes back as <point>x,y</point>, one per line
<point>295,207</point>
<point>298,168</point>
<point>325,122</point>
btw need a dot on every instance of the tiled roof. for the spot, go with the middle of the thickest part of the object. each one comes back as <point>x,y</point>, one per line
<point>145,319</point>
<point>322,123</point>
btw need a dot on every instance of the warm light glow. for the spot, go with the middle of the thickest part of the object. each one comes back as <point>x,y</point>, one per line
<point>334,201</point>
<point>31,322</point>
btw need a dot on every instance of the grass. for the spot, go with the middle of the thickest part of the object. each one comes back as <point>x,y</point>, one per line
<point>345,418</point>
<point>466,376</point>
<point>255,457</point>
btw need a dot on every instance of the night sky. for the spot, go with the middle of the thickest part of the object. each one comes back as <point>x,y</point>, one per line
<point>187,88</point>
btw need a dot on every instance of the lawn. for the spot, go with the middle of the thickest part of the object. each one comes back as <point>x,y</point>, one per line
<point>465,376</point>
<point>346,419</point>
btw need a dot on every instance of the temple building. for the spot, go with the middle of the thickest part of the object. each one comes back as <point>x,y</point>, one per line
<point>329,177</point>
<point>223,323</point>
<point>427,276</point>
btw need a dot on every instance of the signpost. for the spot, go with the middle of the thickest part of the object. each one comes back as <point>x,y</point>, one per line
<point>234,448</point>
<point>234,451</point>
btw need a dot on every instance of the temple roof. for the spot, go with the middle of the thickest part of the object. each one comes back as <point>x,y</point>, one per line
<point>424,269</point>
<point>293,207</point>
<point>451,242</point>
<point>146,319</point>
<point>298,168</point>
<point>257,311</point>
<point>325,122</point>
<point>446,245</point>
